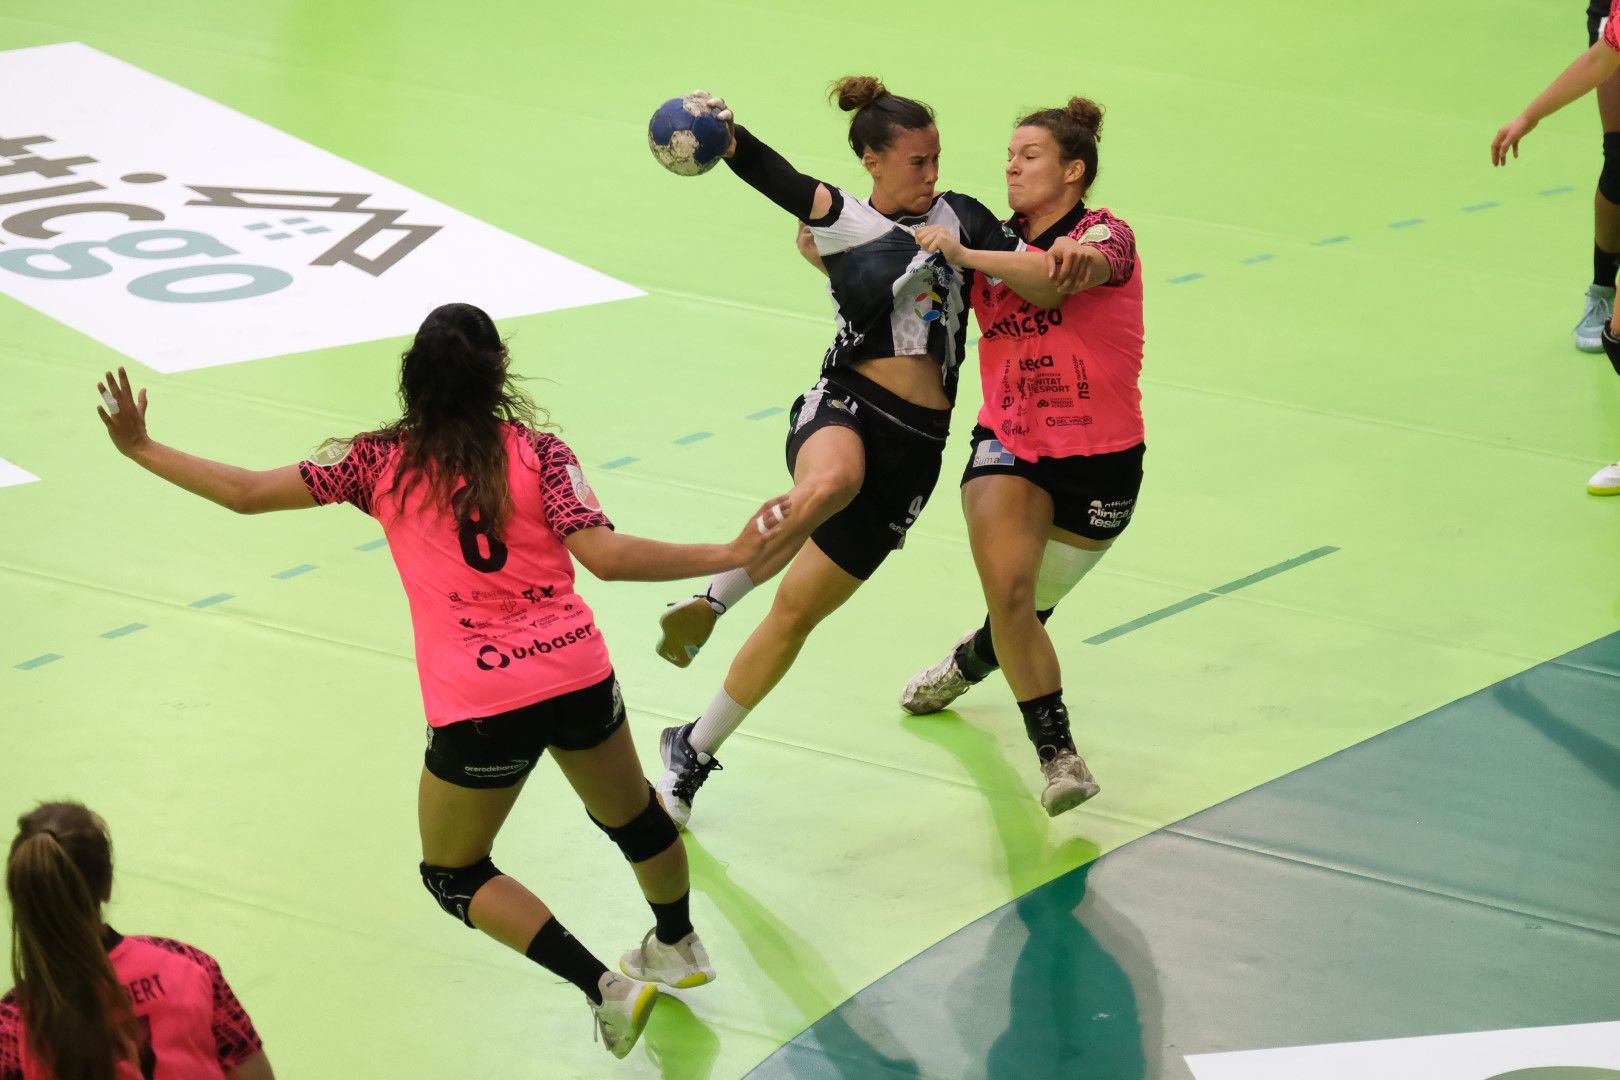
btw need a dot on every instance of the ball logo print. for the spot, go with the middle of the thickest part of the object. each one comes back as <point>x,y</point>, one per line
<point>185,235</point>
<point>686,137</point>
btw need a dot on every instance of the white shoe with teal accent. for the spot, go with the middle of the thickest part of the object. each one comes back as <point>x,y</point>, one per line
<point>1606,481</point>
<point>1594,317</point>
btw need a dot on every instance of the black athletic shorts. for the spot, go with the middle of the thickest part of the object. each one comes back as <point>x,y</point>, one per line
<point>905,445</point>
<point>1596,12</point>
<point>498,751</point>
<point>1092,495</point>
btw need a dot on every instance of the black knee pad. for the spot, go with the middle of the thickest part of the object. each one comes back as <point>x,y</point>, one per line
<point>453,886</point>
<point>646,835</point>
<point>1609,178</point>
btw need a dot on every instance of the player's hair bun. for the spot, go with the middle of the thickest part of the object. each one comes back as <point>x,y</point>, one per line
<point>854,92</point>
<point>1086,113</point>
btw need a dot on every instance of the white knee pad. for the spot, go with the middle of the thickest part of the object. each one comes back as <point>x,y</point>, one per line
<point>1062,567</point>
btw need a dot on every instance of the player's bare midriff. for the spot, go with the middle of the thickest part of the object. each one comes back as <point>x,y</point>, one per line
<point>915,378</point>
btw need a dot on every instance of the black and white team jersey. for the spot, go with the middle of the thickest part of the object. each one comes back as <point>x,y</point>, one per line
<point>890,297</point>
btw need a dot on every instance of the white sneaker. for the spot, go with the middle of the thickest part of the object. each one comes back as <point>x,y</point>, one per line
<point>682,965</point>
<point>1606,481</point>
<point>933,688</point>
<point>684,773</point>
<point>1594,317</point>
<point>686,626</point>
<point>626,1004</point>
<point>1068,782</point>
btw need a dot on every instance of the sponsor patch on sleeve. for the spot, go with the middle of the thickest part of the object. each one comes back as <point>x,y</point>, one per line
<point>582,488</point>
<point>332,452</point>
<point>1096,234</point>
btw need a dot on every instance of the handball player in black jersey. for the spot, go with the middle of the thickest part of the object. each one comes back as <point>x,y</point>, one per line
<point>865,442</point>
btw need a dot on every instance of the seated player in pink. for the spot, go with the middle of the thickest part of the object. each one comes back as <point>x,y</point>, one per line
<point>484,514</point>
<point>1056,461</point>
<point>1590,69</point>
<point>92,1003</point>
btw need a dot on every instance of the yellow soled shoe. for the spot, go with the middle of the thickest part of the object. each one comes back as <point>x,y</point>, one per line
<point>1606,481</point>
<point>682,965</point>
<point>626,1004</point>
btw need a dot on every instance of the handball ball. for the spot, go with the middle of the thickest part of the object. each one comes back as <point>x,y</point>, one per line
<point>686,138</point>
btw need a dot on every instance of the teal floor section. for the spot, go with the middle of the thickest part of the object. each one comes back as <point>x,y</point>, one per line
<point>1457,873</point>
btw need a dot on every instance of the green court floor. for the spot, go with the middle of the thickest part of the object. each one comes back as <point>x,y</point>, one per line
<point>1368,441</point>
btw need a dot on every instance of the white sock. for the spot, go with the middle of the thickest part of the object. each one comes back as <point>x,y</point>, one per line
<point>726,589</point>
<point>719,720</point>
<point>1062,567</point>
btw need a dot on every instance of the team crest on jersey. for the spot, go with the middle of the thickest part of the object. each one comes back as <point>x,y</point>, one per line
<point>331,452</point>
<point>582,489</point>
<point>1096,234</point>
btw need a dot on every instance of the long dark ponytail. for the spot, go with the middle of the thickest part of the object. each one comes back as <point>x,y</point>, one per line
<point>457,394</point>
<point>76,1014</point>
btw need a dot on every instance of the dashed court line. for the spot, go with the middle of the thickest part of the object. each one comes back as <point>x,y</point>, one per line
<point>699,436</point>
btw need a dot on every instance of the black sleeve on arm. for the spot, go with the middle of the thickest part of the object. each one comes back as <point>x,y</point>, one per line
<point>769,173</point>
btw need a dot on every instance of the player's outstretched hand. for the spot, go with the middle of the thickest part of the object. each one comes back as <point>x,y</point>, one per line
<point>123,412</point>
<point>939,238</point>
<point>722,112</point>
<point>1508,136</point>
<point>763,532</point>
<point>1067,264</point>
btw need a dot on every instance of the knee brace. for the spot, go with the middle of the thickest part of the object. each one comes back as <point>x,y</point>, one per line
<point>1609,178</point>
<point>1611,346</point>
<point>1062,567</point>
<point>453,886</point>
<point>648,834</point>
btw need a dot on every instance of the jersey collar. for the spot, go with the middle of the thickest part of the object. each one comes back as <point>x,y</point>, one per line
<point>1062,227</point>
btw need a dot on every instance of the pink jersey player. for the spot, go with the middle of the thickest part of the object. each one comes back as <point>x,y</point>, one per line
<point>497,621</point>
<point>162,1009</point>
<point>485,515</point>
<point>1056,459</point>
<point>1598,68</point>
<point>1063,381</point>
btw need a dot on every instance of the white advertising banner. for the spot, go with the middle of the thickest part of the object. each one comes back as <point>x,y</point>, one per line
<point>1576,1052</point>
<point>184,234</point>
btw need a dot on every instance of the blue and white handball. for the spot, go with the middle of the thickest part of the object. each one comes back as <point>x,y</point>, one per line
<point>686,137</point>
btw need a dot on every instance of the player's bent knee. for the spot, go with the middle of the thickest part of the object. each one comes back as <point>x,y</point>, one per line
<point>454,886</point>
<point>645,836</point>
<point>826,494</point>
<point>1609,178</point>
<point>1011,597</point>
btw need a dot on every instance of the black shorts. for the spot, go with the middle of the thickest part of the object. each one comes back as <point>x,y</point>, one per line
<point>1596,12</point>
<point>499,751</point>
<point>1092,495</point>
<point>905,445</point>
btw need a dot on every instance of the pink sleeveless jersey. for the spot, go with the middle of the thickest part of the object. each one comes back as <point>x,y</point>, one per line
<point>192,1026</point>
<point>496,618</point>
<point>1063,382</point>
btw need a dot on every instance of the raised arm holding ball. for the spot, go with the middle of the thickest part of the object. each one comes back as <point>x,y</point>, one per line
<point>865,442</point>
